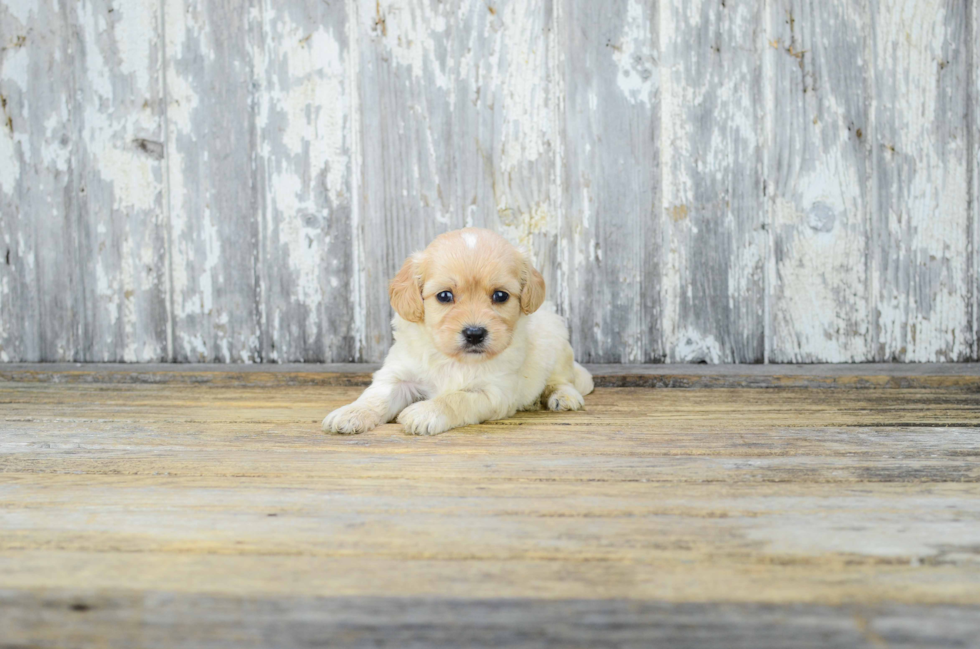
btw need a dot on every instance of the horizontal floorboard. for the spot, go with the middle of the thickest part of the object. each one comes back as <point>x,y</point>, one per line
<point>163,619</point>
<point>185,514</point>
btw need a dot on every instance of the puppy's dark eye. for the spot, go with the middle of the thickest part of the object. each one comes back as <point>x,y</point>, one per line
<point>500,297</point>
<point>446,297</point>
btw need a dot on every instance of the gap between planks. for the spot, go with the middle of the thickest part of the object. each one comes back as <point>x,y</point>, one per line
<point>963,376</point>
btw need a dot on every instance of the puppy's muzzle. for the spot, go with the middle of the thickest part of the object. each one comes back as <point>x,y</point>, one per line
<point>474,336</point>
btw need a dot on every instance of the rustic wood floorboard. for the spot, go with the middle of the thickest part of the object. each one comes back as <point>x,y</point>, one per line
<point>185,515</point>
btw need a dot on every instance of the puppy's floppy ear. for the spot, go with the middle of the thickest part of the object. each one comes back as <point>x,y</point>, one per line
<point>532,288</point>
<point>405,290</point>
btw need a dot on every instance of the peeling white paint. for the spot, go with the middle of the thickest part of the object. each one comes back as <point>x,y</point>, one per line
<point>482,130</point>
<point>634,54</point>
<point>56,154</point>
<point>9,164</point>
<point>808,314</point>
<point>691,346</point>
<point>356,281</point>
<point>193,346</point>
<point>132,175</point>
<point>711,181</point>
<point>5,326</point>
<point>21,10</point>
<point>14,70</point>
<point>209,268</point>
<point>122,183</point>
<point>129,288</point>
<point>305,117</point>
<point>302,240</point>
<point>16,67</point>
<point>923,315</point>
<point>413,34</point>
<point>136,26</point>
<point>182,101</point>
<point>510,76</point>
<point>191,285</point>
<point>528,127</point>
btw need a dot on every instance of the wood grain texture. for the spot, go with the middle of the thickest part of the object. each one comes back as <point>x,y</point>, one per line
<point>213,188</point>
<point>85,619</point>
<point>203,180</point>
<point>612,227</point>
<point>118,126</point>
<point>304,131</point>
<point>40,277</point>
<point>920,259</point>
<point>973,163</point>
<point>162,504</point>
<point>712,180</point>
<point>819,163</point>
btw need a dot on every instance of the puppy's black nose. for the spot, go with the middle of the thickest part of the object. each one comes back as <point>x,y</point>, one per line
<point>474,335</point>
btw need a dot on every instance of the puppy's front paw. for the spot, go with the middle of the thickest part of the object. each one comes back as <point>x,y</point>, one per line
<point>424,418</point>
<point>565,397</point>
<point>350,420</point>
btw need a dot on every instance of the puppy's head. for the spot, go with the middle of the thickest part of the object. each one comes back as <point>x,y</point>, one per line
<point>469,288</point>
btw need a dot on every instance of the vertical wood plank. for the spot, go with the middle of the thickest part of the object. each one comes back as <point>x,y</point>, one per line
<point>304,131</point>
<point>407,177</point>
<point>212,180</point>
<point>920,228</point>
<point>505,126</point>
<point>818,166</point>
<point>19,338</point>
<point>712,180</point>
<point>40,297</point>
<point>118,163</point>
<point>612,179</point>
<point>973,156</point>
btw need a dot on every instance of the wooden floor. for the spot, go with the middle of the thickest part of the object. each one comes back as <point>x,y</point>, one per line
<point>215,514</point>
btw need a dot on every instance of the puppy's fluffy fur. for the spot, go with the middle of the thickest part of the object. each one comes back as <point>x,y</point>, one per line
<point>484,353</point>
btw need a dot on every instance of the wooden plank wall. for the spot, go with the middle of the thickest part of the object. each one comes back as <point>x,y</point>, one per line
<point>717,181</point>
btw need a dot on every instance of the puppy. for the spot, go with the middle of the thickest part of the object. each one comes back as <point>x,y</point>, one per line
<point>472,342</point>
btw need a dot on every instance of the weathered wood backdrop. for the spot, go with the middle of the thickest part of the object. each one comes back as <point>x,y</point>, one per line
<point>723,180</point>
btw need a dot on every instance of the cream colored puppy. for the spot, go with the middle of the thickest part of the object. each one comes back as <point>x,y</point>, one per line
<point>471,342</point>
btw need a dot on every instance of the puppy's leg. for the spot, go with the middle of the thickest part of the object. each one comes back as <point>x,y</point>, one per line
<point>562,396</point>
<point>454,409</point>
<point>582,380</point>
<point>379,404</point>
<point>567,383</point>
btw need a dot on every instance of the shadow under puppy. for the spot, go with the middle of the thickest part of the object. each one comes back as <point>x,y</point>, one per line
<point>472,342</point>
